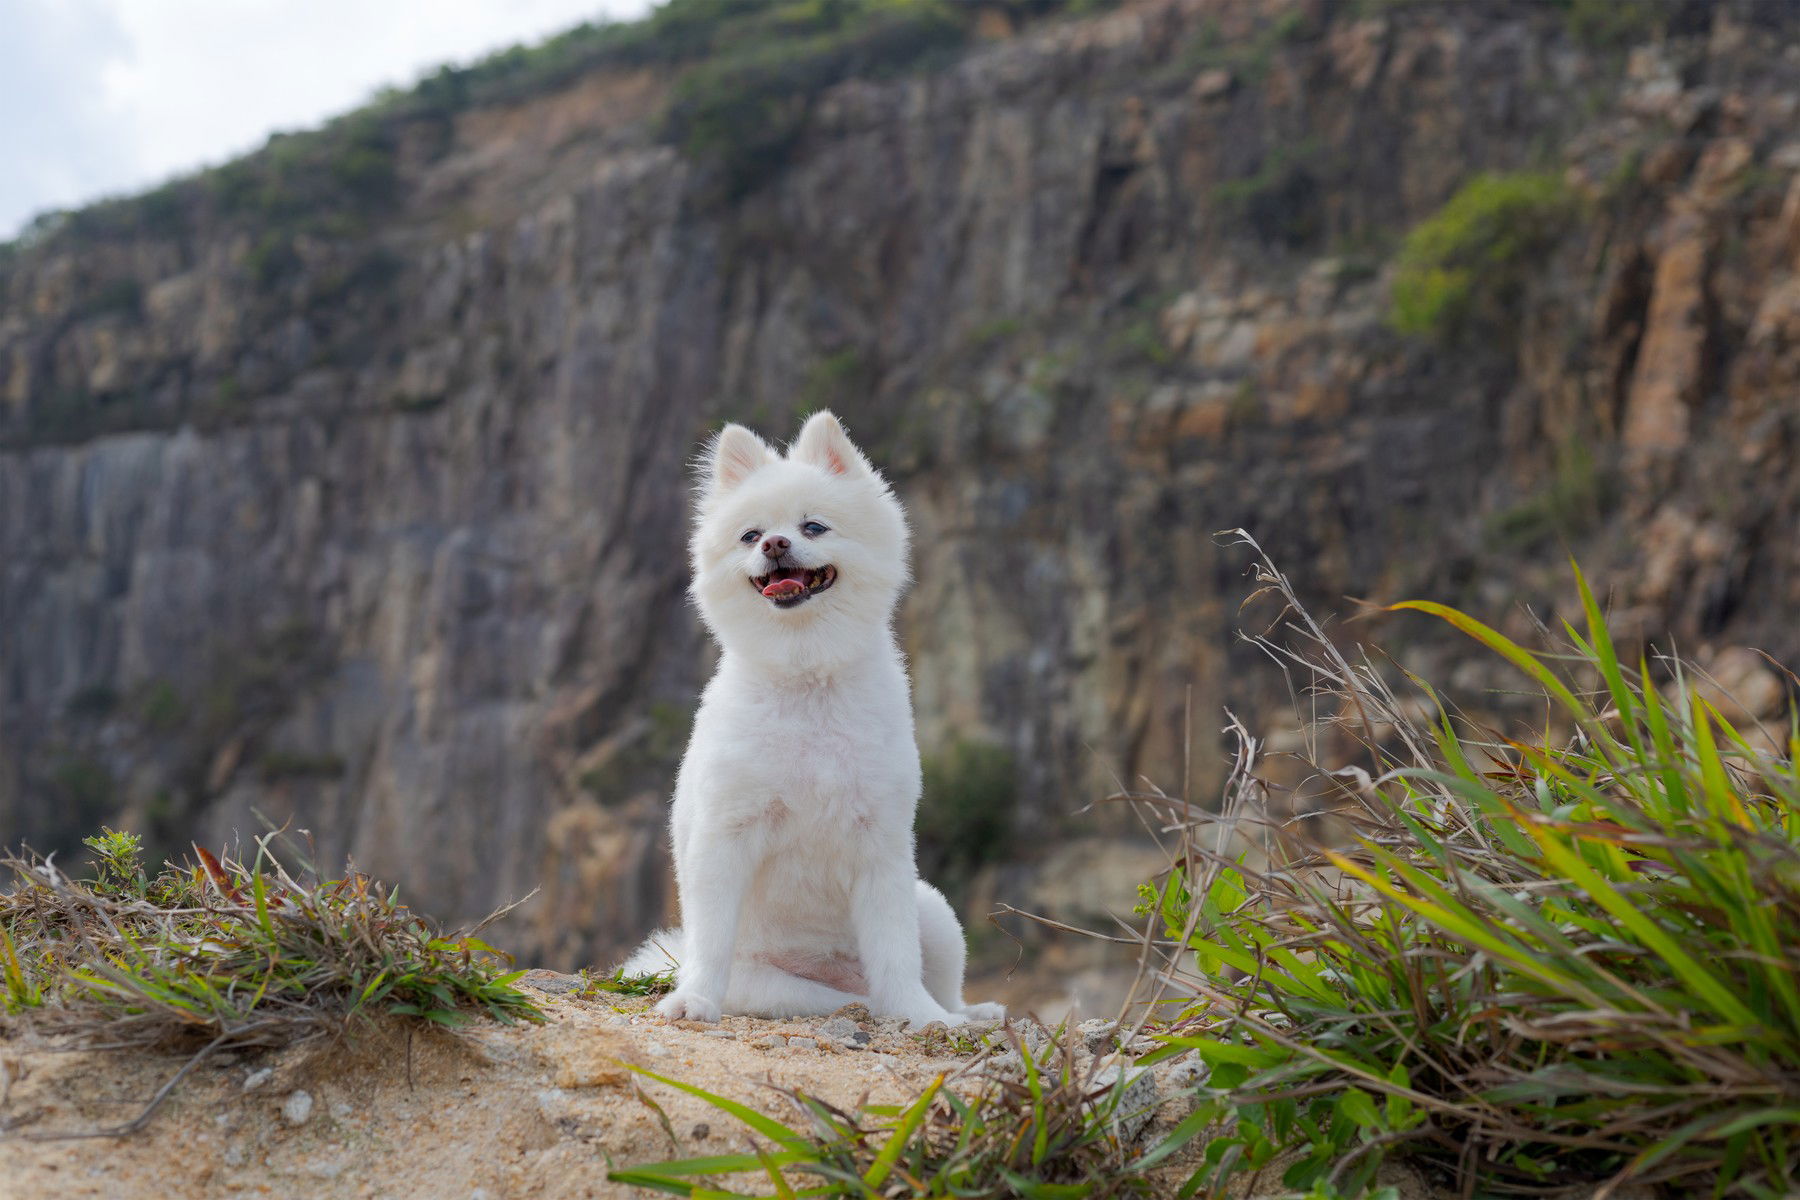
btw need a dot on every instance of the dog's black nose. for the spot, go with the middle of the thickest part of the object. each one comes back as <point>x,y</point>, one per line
<point>775,547</point>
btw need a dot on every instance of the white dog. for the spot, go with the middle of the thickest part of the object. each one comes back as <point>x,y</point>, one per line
<point>793,811</point>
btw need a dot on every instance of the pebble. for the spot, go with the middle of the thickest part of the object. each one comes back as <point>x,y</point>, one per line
<point>803,1043</point>
<point>551,982</point>
<point>329,1168</point>
<point>1099,1037</point>
<point>721,1033</point>
<point>1187,1072</point>
<point>341,1111</point>
<point>767,1042</point>
<point>618,1020</point>
<point>297,1108</point>
<point>657,1049</point>
<point>1137,1102</point>
<point>234,1156</point>
<point>838,1028</point>
<point>256,1079</point>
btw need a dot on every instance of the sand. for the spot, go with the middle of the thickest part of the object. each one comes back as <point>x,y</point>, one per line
<point>490,1113</point>
<point>493,1112</point>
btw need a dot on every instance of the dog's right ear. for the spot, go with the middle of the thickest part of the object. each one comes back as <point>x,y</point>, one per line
<point>732,456</point>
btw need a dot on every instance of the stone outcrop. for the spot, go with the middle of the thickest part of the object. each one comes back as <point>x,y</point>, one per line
<point>380,534</point>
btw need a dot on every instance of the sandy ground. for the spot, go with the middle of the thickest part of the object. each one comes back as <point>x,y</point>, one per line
<point>495,1112</point>
<point>489,1114</point>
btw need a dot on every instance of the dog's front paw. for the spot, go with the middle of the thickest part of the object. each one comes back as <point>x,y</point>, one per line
<point>920,1018</point>
<point>688,1006</point>
<point>985,1012</point>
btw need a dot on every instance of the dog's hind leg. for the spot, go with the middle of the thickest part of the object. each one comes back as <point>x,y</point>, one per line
<point>761,990</point>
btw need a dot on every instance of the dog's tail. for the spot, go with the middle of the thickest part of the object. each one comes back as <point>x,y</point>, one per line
<point>660,954</point>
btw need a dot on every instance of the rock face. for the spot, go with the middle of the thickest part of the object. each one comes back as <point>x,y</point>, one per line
<point>380,535</point>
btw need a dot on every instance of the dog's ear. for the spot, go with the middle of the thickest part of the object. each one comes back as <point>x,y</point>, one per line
<point>823,443</point>
<point>732,456</point>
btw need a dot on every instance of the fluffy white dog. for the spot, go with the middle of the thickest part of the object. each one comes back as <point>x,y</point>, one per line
<point>793,811</point>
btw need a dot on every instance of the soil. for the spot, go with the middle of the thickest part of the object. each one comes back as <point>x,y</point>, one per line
<point>487,1113</point>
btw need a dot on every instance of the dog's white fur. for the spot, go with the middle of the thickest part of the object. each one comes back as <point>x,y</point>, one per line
<point>793,813</point>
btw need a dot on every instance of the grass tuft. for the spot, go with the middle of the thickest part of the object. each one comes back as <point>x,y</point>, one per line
<point>228,953</point>
<point>1466,266</point>
<point>1551,959</point>
<point>1050,1127</point>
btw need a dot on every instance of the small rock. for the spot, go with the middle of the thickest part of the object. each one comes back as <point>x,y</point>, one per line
<point>1098,1037</point>
<point>1186,1073</point>
<point>721,1033</point>
<point>1137,1100</point>
<point>701,1132</point>
<point>1208,84</point>
<point>838,1028</point>
<point>256,1079</point>
<point>656,1049</point>
<point>767,1042</point>
<point>341,1111</point>
<point>1010,1065</point>
<point>297,1108</point>
<point>329,1168</point>
<point>551,982</point>
<point>481,1194</point>
<point>859,1039</point>
<point>803,1043</point>
<point>233,1156</point>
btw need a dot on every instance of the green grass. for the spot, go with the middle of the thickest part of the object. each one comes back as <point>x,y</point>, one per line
<point>620,984</point>
<point>1465,267</point>
<point>1565,956</point>
<point>228,953</point>
<point>1052,1132</point>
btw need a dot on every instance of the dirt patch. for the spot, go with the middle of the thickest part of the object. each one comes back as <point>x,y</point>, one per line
<point>496,1111</point>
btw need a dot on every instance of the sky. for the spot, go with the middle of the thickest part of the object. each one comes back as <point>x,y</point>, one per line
<point>104,97</point>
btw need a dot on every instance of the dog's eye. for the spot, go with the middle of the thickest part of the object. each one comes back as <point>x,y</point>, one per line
<point>750,535</point>
<point>813,529</point>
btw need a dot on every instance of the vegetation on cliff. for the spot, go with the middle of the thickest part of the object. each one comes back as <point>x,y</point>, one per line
<point>1464,268</point>
<point>746,73</point>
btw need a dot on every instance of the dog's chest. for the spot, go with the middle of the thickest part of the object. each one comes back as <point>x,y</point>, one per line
<point>822,758</point>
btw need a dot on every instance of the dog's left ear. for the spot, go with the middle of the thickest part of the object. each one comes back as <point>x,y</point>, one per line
<point>823,443</point>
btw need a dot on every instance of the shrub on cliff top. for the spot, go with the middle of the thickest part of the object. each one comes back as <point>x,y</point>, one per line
<point>1467,265</point>
<point>1550,960</point>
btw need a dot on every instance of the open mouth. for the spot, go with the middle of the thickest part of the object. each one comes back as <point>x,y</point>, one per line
<point>788,586</point>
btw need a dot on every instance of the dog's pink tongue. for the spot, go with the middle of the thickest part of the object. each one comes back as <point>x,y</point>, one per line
<point>784,587</point>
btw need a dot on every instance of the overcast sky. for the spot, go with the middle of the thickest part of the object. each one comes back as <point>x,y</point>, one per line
<point>100,97</point>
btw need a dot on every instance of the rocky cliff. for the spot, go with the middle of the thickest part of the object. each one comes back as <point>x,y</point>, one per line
<point>360,503</point>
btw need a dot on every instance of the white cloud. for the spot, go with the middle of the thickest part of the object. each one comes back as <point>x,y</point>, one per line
<point>107,96</point>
